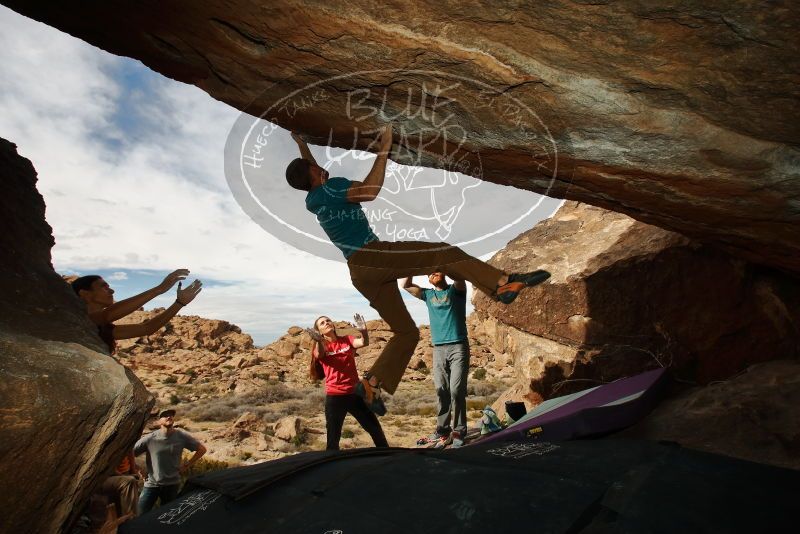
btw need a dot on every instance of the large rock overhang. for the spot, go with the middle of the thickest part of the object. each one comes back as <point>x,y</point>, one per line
<point>680,114</point>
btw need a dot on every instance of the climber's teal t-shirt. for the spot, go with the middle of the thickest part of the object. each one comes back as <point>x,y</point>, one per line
<point>447,309</point>
<point>344,222</point>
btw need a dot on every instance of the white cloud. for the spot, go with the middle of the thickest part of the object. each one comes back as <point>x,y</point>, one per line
<point>158,201</point>
<point>118,275</point>
<point>152,201</point>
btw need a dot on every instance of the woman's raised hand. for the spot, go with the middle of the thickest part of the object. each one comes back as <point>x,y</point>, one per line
<point>316,336</point>
<point>361,324</point>
<point>187,294</point>
<point>171,278</point>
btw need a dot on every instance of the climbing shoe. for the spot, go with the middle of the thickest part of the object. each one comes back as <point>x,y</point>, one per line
<point>530,279</point>
<point>509,291</point>
<point>371,395</point>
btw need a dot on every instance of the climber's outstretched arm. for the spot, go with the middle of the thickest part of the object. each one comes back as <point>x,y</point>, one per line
<point>372,184</point>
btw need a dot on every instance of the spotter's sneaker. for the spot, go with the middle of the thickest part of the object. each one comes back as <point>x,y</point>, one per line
<point>434,440</point>
<point>443,441</point>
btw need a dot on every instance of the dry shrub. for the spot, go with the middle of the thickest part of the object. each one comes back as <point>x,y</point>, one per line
<point>203,465</point>
<point>228,407</point>
<point>478,403</point>
<point>311,403</point>
<point>424,402</point>
<point>481,389</point>
<point>411,403</point>
<point>200,388</point>
<point>272,392</point>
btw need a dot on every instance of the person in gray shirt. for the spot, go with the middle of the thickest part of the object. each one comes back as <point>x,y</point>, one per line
<point>164,448</point>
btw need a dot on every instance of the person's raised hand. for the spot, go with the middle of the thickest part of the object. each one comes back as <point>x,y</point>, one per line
<point>187,294</point>
<point>316,336</point>
<point>361,324</point>
<point>171,278</point>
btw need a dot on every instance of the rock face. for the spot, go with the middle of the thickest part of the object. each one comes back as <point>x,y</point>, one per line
<point>626,296</point>
<point>754,416</point>
<point>683,115</point>
<point>67,410</point>
<point>36,301</point>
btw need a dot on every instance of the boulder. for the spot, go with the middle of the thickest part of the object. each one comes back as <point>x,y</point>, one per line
<point>754,416</point>
<point>416,363</point>
<point>263,443</point>
<point>250,360</point>
<point>287,428</point>
<point>69,414</point>
<point>69,411</point>
<point>247,420</point>
<point>189,333</point>
<point>517,393</point>
<point>625,296</point>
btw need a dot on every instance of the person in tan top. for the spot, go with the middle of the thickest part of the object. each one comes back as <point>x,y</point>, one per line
<point>103,311</point>
<point>123,487</point>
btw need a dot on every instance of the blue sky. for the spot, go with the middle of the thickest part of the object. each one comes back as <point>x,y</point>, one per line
<point>130,165</point>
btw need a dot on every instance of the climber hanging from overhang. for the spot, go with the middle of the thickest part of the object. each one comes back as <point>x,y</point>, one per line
<point>375,265</point>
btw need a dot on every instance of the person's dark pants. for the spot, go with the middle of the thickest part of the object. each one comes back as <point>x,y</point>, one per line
<point>450,369</point>
<point>338,406</point>
<point>150,495</point>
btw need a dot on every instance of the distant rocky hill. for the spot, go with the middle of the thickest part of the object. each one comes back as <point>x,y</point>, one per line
<point>190,332</point>
<point>252,403</point>
<point>191,348</point>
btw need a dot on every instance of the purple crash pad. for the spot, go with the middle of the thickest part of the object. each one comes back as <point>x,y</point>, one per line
<point>599,410</point>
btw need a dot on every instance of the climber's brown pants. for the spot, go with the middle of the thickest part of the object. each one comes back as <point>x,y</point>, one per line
<point>374,271</point>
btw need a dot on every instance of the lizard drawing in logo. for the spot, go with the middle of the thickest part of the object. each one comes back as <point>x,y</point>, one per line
<point>419,203</point>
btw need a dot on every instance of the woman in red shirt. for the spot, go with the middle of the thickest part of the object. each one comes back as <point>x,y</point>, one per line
<point>333,357</point>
